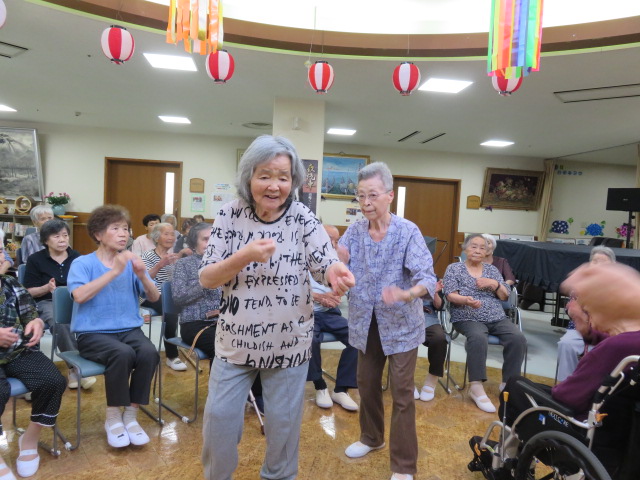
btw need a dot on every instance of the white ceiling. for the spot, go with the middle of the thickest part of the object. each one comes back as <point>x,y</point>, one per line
<point>65,72</point>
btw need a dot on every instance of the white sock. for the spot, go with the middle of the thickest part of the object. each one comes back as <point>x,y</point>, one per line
<point>477,389</point>
<point>114,416</point>
<point>131,415</point>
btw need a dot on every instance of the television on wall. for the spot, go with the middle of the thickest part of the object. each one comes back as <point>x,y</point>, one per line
<point>624,199</point>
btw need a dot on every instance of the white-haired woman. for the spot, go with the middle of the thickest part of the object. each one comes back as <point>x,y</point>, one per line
<point>393,269</point>
<point>160,262</point>
<point>262,248</point>
<point>500,263</point>
<point>578,338</point>
<point>31,243</point>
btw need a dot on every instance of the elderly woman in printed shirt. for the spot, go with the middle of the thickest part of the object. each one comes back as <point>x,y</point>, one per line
<point>263,247</point>
<point>393,269</point>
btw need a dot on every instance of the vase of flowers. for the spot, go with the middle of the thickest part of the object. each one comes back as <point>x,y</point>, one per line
<point>58,202</point>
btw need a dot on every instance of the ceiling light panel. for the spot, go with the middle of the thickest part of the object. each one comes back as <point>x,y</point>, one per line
<point>444,85</point>
<point>496,143</point>
<point>341,131</point>
<point>171,62</point>
<point>5,108</point>
<point>170,119</point>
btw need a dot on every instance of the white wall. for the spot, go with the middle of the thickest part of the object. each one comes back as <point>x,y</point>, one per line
<point>582,196</point>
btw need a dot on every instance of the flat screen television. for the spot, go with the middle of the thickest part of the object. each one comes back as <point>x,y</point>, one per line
<point>624,199</point>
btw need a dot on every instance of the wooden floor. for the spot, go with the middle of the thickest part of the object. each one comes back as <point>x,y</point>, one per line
<point>444,428</point>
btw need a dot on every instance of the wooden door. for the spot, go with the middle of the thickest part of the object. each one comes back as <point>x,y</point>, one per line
<point>432,204</point>
<point>139,185</point>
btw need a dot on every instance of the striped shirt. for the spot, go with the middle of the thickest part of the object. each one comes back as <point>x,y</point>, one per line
<point>150,258</point>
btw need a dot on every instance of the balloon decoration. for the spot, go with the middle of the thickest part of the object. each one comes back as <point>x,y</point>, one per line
<point>506,87</point>
<point>220,66</point>
<point>117,44</point>
<point>515,37</point>
<point>321,77</point>
<point>198,23</point>
<point>3,13</point>
<point>406,78</point>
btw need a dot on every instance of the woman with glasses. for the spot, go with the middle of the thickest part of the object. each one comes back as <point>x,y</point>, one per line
<point>393,269</point>
<point>476,291</point>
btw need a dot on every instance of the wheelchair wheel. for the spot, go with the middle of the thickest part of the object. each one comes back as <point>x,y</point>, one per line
<point>558,456</point>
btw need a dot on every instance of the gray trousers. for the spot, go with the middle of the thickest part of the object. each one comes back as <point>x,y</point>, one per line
<point>511,338</point>
<point>66,340</point>
<point>283,394</point>
<point>570,346</point>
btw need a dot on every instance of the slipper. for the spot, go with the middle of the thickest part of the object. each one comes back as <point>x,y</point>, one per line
<point>427,394</point>
<point>483,403</point>
<point>114,439</point>
<point>27,468</point>
<point>137,436</point>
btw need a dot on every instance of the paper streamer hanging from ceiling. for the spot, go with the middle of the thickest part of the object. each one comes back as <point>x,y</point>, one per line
<point>198,23</point>
<point>515,37</point>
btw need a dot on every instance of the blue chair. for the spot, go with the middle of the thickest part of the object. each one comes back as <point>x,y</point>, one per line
<point>62,313</point>
<point>169,307</point>
<point>22,270</point>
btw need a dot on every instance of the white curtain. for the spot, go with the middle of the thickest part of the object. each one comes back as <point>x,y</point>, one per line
<point>545,200</point>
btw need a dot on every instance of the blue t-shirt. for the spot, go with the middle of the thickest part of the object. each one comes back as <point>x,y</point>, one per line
<point>115,308</point>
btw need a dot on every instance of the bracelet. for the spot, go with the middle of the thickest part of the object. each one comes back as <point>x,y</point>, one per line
<point>411,295</point>
<point>497,288</point>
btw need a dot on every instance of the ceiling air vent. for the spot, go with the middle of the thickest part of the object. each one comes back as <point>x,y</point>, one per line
<point>599,93</point>
<point>258,125</point>
<point>409,136</point>
<point>9,50</point>
<point>433,138</point>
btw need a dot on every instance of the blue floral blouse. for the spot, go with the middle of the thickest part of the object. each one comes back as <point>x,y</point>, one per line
<point>402,259</point>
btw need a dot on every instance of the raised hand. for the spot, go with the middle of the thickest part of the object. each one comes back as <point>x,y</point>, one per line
<point>340,278</point>
<point>260,250</point>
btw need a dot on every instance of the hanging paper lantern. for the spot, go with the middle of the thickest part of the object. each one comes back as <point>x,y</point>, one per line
<point>117,44</point>
<point>220,66</point>
<point>506,87</point>
<point>321,77</point>
<point>3,13</point>
<point>406,78</point>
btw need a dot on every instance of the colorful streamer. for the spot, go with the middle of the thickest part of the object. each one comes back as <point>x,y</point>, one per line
<point>198,23</point>
<point>515,38</point>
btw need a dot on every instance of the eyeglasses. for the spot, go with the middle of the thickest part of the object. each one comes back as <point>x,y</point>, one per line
<point>372,197</point>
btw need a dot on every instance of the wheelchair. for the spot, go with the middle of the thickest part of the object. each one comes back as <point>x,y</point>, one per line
<point>545,441</point>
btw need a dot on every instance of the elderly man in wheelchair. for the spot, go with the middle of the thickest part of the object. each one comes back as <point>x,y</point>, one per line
<point>588,426</point>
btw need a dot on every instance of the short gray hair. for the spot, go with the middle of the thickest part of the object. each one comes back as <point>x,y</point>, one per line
<point>166,219</point>
<point>157,231</point>
<point>470,237</point>
<point>377,169</point>
<point>602,250</point>
<point>40,210</point>
<point>194,233</point>
<point>263,149</point>
<point>491,241</point>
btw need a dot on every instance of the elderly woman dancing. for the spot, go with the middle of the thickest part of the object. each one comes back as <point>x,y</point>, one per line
<point>393,268</point>
<point>476,291</point>
<point>262,248</point>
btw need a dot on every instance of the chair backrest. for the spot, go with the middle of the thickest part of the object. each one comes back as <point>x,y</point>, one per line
<point>62,305</point>
<point>168,305</point>
<point>22,269</point>
<point>30,230</point>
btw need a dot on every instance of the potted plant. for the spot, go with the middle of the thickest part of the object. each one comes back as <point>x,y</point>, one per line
<point>58,202</point>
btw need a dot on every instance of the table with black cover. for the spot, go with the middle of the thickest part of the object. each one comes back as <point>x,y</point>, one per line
<point>547,264</point>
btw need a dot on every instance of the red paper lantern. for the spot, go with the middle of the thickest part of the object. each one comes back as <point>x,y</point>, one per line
<point>3,13</point>
<point>117,44</point>
<point>321,77</point>
<point>406,78</point>
<point>506,87</point>
<point>220,66</point>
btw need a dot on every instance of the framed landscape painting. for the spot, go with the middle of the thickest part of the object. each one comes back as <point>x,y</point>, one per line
<point>20,169</point>
<point>512,189</point>
<point>340,174</point>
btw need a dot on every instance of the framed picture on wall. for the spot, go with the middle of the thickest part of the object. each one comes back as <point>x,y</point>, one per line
<point>20,168</point>
<point>512,189</point>
<point>340,174</point>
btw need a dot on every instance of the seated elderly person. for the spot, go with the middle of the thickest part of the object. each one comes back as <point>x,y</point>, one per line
<point>160,262</point>
<point>20,333</point>
<point>6,262</point>
<point>144,242</point>
<point>31,243</point>
<point>476,291</point>
<point>572,344</point>
<point>609,296</point>
<point>105,286</point>
<point>328,319</point>
<point>181,238</point>
<point>46,270</point>
<point>500,263</point>
<point>436,342</point>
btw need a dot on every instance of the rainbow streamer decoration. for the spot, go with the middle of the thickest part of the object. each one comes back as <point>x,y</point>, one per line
<point>515,37</point>
<point>198,23</point>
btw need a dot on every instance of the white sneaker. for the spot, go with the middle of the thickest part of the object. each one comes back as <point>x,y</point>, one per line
<point>427,394</point>
<point>416,393</point>
<point>401,476</point>
<point>483,402</point>
<point>87,382</point>
<point>73,381</point>
<point>176,364</point>
<point>323,400</point>
<point>359,449</point>
<point>345,401</point>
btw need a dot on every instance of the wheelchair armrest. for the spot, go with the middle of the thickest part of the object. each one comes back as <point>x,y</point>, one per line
<point>544,399</point>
